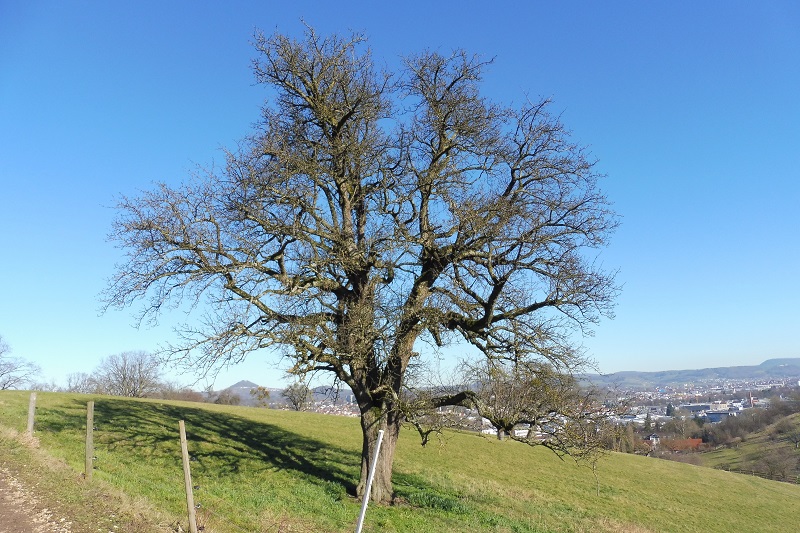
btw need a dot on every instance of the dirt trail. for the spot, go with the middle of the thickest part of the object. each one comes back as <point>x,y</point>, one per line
<point>21,512</point>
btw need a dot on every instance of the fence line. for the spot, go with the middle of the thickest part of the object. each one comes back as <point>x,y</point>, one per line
<point>205,511</point>
<point>795,480</point>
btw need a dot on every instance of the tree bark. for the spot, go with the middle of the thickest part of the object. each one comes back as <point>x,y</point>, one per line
<point>373,420</point>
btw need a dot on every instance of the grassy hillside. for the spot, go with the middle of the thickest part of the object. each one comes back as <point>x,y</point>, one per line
<point>266,470</point>
<point>765,452</point>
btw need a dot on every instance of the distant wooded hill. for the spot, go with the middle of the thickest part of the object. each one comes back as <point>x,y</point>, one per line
<point>788,368</point>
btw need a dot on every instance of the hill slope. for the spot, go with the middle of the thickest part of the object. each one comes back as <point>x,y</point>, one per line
<point>265,470</point>
<point>769,452</point>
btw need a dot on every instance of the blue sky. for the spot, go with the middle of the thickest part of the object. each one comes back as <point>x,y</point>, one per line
<point>691,108</point>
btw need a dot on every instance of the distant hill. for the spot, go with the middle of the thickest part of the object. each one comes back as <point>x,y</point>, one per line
<point>242,389</point>
<point>787,368</point>
<point>242,385</point>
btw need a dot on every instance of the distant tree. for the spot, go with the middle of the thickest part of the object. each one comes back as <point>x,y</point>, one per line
<point>260,395</point>
<point>670,409</point>
<point>648,423</point>
<point>133,374</point>
<point>227,397</point>
<point>776,463</point>
<point>14,372</point>
<point>681,425</point>
<point>532,402</point>
<point>82,383</point>
<point>736,429</point>
<point>173,391</point>
<point>621,438</point>
<point>370,213</point>
<point>788,429</point>
<point>44,386</point>
<point>298,395</point>
<point>780,408</point>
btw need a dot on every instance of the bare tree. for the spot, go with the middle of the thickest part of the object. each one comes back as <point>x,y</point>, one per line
<point>172,390</point>
<point>789,429</point>
<point>777,463</point>
<point>368,214</point>
<point>227,397</point>
<point>14,371</point>
<point>134,374</point>
<point>298,395</point>
<point>44,386</point>
<point>532,402</point>
<point>81,382</point>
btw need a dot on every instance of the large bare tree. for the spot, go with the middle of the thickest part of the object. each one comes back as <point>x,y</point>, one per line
<point>369,213</point>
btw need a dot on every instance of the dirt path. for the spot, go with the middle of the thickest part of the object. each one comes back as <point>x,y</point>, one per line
<point>21,512</point>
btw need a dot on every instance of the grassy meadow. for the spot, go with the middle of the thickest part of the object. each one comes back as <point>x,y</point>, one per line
<point>269,470</point>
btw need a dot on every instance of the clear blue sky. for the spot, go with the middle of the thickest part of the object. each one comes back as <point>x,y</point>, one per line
<point>692,108</point>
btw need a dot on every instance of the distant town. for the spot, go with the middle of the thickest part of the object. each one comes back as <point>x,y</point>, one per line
<point>711,395</point>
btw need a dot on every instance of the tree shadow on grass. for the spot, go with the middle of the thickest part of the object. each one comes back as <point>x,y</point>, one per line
<point>221,443</point>
<point>225,444</point>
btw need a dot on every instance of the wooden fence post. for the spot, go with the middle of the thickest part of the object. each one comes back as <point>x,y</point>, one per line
<point>31,412</point>
<point>187,479</point>
<point>89,440</point>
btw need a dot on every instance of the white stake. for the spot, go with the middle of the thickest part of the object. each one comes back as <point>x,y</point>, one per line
<point>368,488</point>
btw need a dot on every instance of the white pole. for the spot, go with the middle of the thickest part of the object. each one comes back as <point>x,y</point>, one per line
<point>368,488</point>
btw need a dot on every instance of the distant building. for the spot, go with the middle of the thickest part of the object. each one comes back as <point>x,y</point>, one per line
<point>653,440</point>
<point>719,416</point>
<point>696,407</point>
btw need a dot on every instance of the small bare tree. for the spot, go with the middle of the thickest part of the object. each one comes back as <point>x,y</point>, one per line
<point>14,371</point>
<point>81,382</point>
<point>298,395</point>
<point>534,403</point>
<point>134,374</point>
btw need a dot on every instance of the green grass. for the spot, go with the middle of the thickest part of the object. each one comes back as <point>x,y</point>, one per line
<point>266,470</point>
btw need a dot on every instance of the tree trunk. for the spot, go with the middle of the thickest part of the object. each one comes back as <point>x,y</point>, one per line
<point>372,421</point>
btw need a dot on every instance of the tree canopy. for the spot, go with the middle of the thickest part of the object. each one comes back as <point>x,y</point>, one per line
<point>372,212</point>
